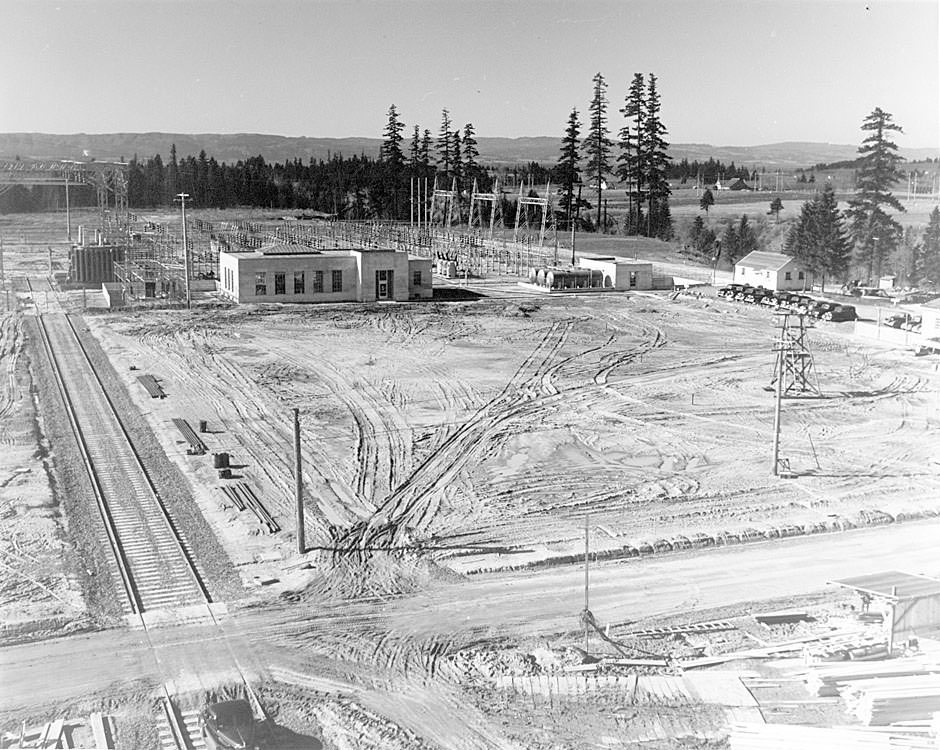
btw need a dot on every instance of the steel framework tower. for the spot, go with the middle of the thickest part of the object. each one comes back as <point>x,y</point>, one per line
<point>794,364</point>
<point>446,200</point>
<point>524,218</point>
<point>477,199</point>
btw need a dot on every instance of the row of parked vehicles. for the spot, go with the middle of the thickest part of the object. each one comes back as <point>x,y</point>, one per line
<point>795,302</point>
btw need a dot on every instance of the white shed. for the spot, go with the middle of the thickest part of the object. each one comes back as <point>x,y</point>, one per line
<point>774,271</point>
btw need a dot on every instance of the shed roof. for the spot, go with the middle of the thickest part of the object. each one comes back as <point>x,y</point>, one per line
<point>908,585</point>
<point>763,260</point>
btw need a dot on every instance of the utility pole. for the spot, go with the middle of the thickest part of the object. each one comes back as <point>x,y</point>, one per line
<point>575,223</point>
<point>587,609</point>
<point>299,485</point>
<point>68,215</point>
<point>778,400</point>
<point>182,197</point>
<point>3,282</point>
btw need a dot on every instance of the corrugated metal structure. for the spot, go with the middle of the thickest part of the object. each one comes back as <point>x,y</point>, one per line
<point>912,601</point>
<point>94,264</point>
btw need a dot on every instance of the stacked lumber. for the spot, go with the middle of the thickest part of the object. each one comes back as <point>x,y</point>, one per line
<point>796,737</point>
<point>827,679</point>
<point>879,702</point>
<point>149,382</point>
<point>197,447</point>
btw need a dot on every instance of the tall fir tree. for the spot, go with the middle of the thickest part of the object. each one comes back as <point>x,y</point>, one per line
<point>425,155</point>
<point>568,169</point>
<point>391,143</point>
<point>658,218</point>
<point>597,144</point>
<point>414,152</point>
<point>471,158</point>
<point>875,231</point>
<point>457,158</point>
<point>445,144</point>
<point>632,151</point>
<point>172,174</point>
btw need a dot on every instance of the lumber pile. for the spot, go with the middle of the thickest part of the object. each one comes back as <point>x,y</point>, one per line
<point>880,701</point>
<point>244,498</point>
<point>149,382</point>
<point>196,446</point>
<point>828,679</point>
<point>796,737</point>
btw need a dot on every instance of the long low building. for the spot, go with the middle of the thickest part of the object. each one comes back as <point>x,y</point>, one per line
<point>295,273</point>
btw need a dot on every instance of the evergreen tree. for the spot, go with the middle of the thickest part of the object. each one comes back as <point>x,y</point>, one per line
<point>632,151</point>
<point>819,238</point>
<point>391,143</point>
<point>597,145</point>
<point>445,145</point>
<point>929,250</point>
<point>747,238</point>
<point>730,243</point>
<point>414,153</point>
<point>471,156</point>
<point>172,174</point>
<point>776,206</point>
<point>456,158</point>
<point>425,156</point>
<point>658,219</point>
<point>706,201</point>
<point>875,232</point>
<point>567,170</point>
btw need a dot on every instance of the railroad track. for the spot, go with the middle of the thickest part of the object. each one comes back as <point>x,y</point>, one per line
<point>151,558</point>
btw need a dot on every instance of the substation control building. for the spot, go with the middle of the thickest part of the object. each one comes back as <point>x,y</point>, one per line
<point>296,273</point>
<point>774,271</point>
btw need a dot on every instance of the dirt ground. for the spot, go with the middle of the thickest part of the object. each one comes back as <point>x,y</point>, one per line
<point>492,432</point>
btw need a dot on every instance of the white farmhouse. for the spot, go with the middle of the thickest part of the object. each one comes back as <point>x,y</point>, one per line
<point>774,271</point>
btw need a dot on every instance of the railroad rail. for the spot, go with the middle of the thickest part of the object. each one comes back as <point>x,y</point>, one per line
<point>151,557</point>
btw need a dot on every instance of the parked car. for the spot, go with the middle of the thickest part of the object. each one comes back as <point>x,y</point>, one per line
<point>913,324</point>
<point>820,307</point>
<point>800,303</point>
<point>776,299</point>
<point>229,725</point>
<point>730,290</point>
<point>756,295</point>
<point>840,313</point>
<point>897,320</point>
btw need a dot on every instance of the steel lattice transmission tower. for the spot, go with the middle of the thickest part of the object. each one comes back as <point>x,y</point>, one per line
<point>794,358</point>
<point>477,200</point>
<point>546,213</point>
<point>443,205</point>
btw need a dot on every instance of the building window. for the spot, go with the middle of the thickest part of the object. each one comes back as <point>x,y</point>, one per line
<point>788,276</point>
<point>632,278</point>
<point>416,278</point>
<point>317,282</point>
<point>337,281</point>
<point>280,283</point>
<point>800,275</point>
<point>299,282</point>
<point>261,284</point>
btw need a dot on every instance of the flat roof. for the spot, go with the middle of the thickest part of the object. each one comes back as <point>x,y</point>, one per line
<point>908,585</point>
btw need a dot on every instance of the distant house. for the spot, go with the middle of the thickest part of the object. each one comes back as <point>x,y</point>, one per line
<point>772,271</point>
<point>739,184</point>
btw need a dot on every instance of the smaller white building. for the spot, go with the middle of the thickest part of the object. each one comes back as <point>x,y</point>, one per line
<point>295,273</point>
<point>619,273</point>
<point>774,271</point>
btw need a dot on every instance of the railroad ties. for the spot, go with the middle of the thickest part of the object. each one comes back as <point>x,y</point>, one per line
<point>150,556</point>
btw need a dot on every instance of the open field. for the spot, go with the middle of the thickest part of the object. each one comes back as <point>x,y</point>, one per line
<point>489,432</point>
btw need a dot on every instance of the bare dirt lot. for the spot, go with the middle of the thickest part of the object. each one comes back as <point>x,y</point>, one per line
<point>494,432</point>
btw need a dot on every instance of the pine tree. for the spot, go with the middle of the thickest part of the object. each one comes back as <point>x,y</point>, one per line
<point>730,243</point>
<point>425,156</point>
<point>658,219</point>
<point>747,238</point>
<point>471,155</point>
<point>776,206</point>
<point>391,143</point>
<point>706,201</point>
<point>445,145</point>
<point>875,232</point>
<point>414,152</point>
<point>632,160</point>
<point>172,175</point>
<point>929,250</point>
<point>456,158</point>
<point>819,238</point>
<point>567,169</point>
<point>597,145</point>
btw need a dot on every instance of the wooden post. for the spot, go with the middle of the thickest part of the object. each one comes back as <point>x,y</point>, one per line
<point>778,399</point>
<point>299,485</point>
<point>586,581</point>
<point>894,603</point>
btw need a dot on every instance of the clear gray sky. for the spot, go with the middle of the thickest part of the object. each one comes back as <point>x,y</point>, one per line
<point>731,72</point>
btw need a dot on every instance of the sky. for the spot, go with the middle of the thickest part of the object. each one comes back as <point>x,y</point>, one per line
<point>730,72</point>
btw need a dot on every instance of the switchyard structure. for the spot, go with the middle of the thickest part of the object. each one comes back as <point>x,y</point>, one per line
<point>531,209</point>
<point>480,199</point>
<point>107,178</point>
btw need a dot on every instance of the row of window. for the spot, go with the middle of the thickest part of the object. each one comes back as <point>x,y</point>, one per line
<point>280,282</point>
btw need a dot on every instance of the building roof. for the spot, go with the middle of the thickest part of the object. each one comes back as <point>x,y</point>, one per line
<point>762,260</point>
<point>905,585</point>
<point>280,248</point>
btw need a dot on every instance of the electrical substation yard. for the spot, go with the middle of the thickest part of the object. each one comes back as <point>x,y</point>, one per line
<point>479,436</point>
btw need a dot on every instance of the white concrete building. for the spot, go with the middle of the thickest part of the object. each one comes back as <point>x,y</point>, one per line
<point>619,273</point>
<point>774,271</point>
<point>295,273</point>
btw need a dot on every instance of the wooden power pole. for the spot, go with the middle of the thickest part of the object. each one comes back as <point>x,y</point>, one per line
<point>299,485</point>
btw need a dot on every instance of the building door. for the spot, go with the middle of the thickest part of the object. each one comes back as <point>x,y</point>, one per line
<point>383,284</point>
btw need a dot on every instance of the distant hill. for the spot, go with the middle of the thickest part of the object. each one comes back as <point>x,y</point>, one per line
<point>493,151</point>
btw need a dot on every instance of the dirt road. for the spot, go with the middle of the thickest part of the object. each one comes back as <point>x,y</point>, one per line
<point>454,614</point>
